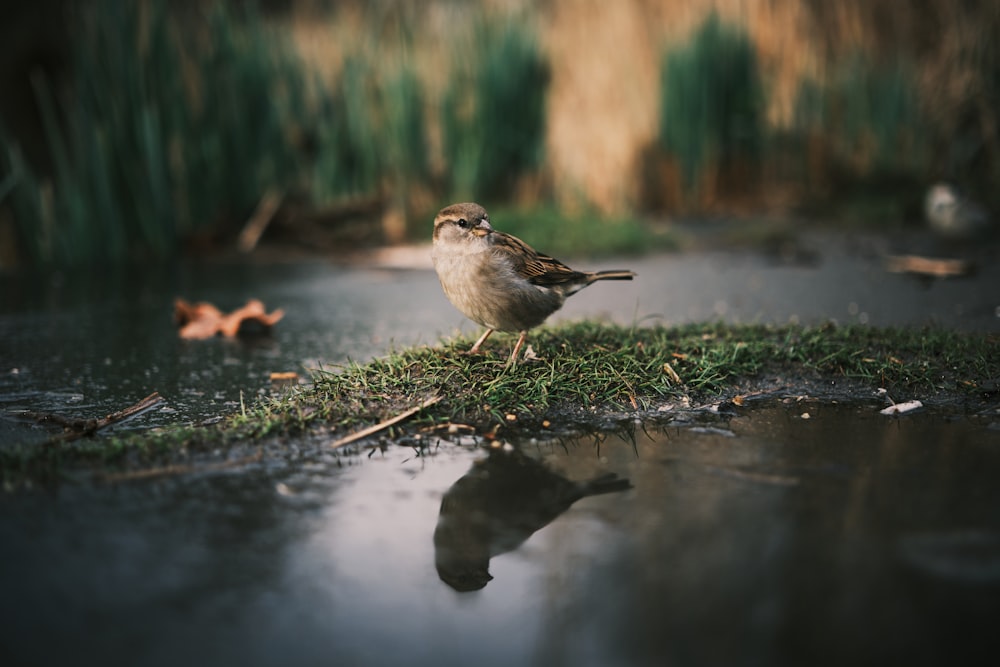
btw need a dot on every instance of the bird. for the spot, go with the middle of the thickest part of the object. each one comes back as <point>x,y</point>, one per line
<point>496,506</point>
<point>952,215</point>
<point>499,281</point>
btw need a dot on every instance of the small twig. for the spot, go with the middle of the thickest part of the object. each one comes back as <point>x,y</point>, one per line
<point>130,411</point>
<point>258,222</point>
<point>77,428</point>
<point>365,432</point>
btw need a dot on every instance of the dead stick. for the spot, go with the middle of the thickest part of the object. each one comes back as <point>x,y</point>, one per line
<point>365,432</point>
<point>130,411</point>
<point>87,426</point>
<point>74,428</point>
<point>258,222</point>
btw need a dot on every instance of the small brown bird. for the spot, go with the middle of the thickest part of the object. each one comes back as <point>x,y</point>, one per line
<point>498,280</point>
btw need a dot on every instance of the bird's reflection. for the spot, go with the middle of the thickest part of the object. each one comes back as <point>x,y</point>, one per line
<point>496,506</point>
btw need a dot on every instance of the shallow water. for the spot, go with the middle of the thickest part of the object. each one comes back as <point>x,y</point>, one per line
<point>759,537</point>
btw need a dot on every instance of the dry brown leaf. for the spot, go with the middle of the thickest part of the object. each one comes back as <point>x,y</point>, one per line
<point>203,320</point>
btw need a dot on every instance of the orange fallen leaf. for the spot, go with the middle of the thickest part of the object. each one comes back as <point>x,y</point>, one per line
<point>204,320</point>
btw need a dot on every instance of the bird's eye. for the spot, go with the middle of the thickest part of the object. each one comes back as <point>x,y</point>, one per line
<point>463,223</point>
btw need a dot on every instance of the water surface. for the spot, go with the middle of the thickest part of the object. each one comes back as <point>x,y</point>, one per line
<point>760,537</point>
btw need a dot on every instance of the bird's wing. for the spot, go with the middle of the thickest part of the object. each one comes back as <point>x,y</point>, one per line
<point>535,267</point>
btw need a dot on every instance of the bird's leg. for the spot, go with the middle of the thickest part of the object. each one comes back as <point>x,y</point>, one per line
<point>517,348</point>
<point>482,339</point>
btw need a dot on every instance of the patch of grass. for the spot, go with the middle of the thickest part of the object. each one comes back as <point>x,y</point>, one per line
<point>608,367</point>
<point>585,234</point>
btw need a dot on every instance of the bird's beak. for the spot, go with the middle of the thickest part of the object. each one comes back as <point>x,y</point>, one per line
<point>482,229</point>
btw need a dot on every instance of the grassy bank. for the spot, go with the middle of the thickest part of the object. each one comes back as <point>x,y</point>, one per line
<point>609,369</point>
<point>587,376</point>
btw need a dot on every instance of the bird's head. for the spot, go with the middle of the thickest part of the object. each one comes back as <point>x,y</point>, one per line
<point>461,221</point>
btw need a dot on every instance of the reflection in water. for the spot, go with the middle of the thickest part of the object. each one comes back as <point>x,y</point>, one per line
<point>496,506</point>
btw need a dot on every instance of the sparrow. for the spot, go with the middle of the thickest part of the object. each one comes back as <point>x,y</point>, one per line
<point>497,280</point>
<point>496,506</point>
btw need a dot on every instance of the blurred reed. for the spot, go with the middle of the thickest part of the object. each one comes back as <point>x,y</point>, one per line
<point>174,127</point>
<point>711,100</point>
<point>869,117</point>
<point>163,133</point>
<point>169,131</point>
<point>493,109</point>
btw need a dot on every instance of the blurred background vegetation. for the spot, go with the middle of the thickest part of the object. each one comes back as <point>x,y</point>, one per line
<point>137,129</point>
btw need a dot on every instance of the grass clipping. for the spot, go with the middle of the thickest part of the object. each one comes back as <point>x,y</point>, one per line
<point>586,373</point>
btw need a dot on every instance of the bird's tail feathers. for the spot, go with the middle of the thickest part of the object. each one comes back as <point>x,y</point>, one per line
<point>613,275</point>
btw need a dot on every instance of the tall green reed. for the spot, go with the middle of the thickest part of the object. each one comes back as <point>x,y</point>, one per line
<point>162,133</point>
<point>711,99</point>
<point>493,110</point>
<point>870,115</point>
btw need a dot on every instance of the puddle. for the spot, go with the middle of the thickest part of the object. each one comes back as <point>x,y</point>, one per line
<point>762,538</point>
